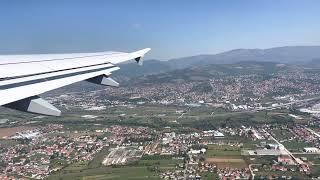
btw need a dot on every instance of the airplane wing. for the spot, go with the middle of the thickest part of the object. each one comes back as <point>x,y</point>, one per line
<point>24,77</point>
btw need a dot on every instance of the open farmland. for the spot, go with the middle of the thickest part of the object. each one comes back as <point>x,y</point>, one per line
<point>228,161</point>
<point>6,132</point>
<point>222,150</point>
<point>225,156</point>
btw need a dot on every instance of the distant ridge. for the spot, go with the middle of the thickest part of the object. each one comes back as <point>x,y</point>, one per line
<point>287,54</point>
<point>205,66</point>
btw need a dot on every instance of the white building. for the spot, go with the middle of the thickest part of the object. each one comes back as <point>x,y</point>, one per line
<point>311,150</point>
<point>218,134</point>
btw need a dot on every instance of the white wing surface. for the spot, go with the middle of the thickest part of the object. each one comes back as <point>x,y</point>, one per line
<point>24,77</point>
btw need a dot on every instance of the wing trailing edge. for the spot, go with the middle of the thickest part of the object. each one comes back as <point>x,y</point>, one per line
<point>21,81</point>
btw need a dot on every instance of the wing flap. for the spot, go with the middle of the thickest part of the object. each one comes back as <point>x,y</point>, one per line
<point>36,88</point>
<point>21,79</point>
<point>104,80</point>
<point>36,105</point>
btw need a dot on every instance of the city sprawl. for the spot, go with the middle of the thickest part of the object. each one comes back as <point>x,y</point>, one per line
<point>241,121</point>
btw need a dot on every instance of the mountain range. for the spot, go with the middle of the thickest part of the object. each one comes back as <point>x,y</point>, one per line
<point>289,54</point>
<point>237,61</point>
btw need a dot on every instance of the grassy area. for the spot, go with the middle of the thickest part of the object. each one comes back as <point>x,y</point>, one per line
<point>315,171</point>
<point>247,143</point>
<point>225,156</point>
<point>98,158</point>
<point>209,176</point>
<point>136,170</point>
<point>235,119</point>
<point>296,175</point>
<point>282,134</point>
<point>163,164</point>
<point>228,161</point>
<point>201,118</point>
<point>108,173</point>
<point>76,166</point>
<point>267,160</point>
<point>312,158</point>
<point>223,150</point>
<point>58,163</point>
<point>296,146</point>
<point>8,142</point>
<point>160,160</point>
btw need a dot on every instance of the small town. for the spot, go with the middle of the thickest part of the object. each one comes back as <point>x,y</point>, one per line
<point>267,151</point>
<point>171,131</point>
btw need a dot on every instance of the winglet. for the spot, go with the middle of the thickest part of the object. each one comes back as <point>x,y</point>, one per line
<point>139,55</point>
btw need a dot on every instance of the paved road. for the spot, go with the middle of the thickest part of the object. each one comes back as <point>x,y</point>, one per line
<point>298,161</point>
<point>313,132</point>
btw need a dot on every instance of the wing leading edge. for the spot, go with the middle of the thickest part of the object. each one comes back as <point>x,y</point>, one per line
<point>24,77</point>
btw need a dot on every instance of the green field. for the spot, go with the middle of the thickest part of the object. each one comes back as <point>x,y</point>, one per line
<point>163,164</point>
<point>312,158</point>
<point>296,175</point>
<point>107,173</point>
<point>209,176</point>
<point>225,156</point>
<point>282,134</point>
<point>142,169</point>
<point>222,150</point>
<point>159,116</point>
<point>296,146</point>
<point>8,142</point>
<point>76,166</point>
<point>315,171</point>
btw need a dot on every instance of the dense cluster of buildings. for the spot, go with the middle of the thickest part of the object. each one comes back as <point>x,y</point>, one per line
<point>40,151</point>
<point>242,92</point>
<point>44,150</point>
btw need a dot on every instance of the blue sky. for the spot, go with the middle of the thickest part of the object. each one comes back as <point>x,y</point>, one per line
<point>172,28</point>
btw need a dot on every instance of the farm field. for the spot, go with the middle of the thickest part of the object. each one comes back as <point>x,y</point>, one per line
<point>225,156</point>
<point>296,146</point>
<point>222,150</point>
<point>310,158</point>
<point>107,173</point>
<point>4,132</point>
<point>228,161</point>
<point>282,134</point>
<point>95,170</point>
